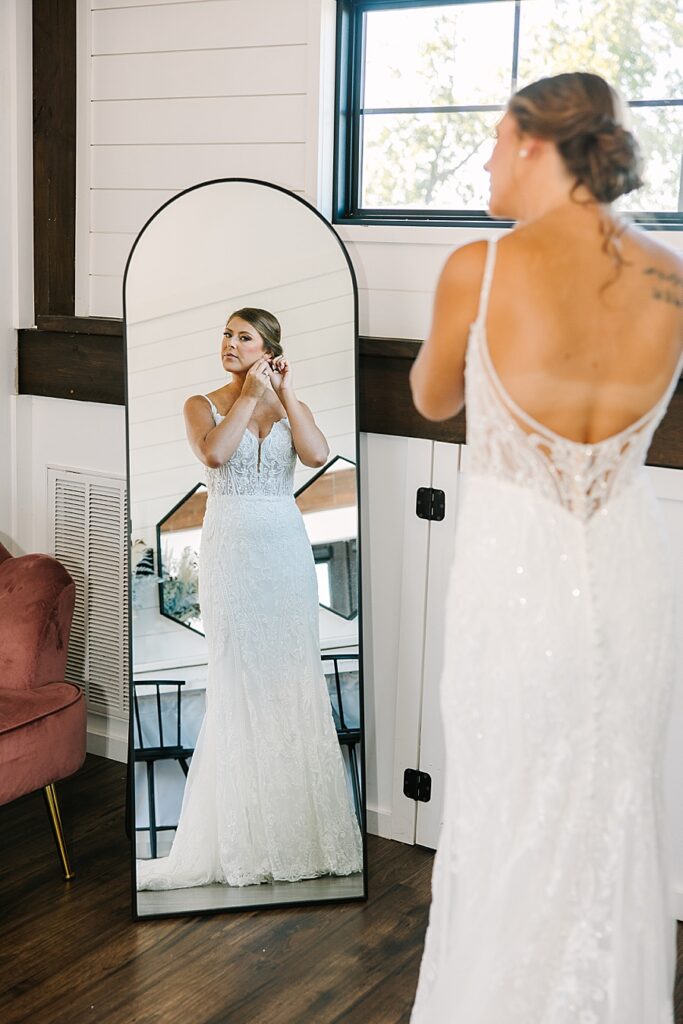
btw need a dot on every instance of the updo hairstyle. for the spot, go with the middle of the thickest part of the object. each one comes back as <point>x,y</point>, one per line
<point>266,324</point>
<point>584,116</point>
<point>579,112</point>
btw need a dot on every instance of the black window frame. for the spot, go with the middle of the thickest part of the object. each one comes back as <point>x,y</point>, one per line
<point>348,113</point>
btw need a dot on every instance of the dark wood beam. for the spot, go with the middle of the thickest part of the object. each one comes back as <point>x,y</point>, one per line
<point>90,368</point>
<point>81,325</point>
<point>386,404</point>
<point>54,155</point>
<point>82,367</point>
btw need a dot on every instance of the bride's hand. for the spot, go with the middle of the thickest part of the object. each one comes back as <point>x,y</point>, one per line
<point>258,378</point>
<point>282,374</point>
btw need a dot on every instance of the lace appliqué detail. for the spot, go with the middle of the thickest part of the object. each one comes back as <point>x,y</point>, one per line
<point>248,471</point>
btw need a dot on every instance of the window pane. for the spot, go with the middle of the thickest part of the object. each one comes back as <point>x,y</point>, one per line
<point>659,131</point>
<point>636,45</point>
<point>436,56</point>
<point>427,161</point>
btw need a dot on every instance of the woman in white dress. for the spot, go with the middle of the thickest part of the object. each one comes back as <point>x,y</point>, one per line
<point>551,886</point>
<point>266,796</point>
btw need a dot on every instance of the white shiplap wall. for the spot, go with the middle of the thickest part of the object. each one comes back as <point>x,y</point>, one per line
<point>171,94</point>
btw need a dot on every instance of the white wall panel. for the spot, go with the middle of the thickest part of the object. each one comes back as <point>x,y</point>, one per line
<point>191,26</point>
<point>106,296</point>
<point>252,71</point>
<point>191,121</point>
<point>178,167</point>
<point>16,248</point>
<point>172,94</point>
<point>124,210</point>
<point>109,252</point>
<point>106,4</point>
<point>394,314</point>
<point>397,267</point>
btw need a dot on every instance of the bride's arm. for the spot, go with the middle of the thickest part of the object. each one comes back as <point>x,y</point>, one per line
<point>213,444</point>
<point>437,375</point>
<point>309,441</point>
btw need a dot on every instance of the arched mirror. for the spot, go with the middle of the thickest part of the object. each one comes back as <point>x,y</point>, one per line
<point>246,755</point>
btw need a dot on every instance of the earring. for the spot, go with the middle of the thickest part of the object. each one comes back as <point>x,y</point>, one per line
<point>524,152</point>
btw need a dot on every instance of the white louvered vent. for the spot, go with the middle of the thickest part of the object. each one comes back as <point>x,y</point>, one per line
<point>89,516</point>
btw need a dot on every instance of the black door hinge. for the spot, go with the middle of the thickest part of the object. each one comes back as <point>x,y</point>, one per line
<point>417,785</point>
<point>431,503</point>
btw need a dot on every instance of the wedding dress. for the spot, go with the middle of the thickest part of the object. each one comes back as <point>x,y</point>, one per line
<point>266,796</point>
<point>551,884</point>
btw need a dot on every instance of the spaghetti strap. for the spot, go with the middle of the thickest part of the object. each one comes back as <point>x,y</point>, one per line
<point>213,407</point>
<point>486,280</point>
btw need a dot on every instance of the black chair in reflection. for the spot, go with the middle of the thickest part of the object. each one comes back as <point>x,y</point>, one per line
<point>349,736</point>
<point>163,751</point>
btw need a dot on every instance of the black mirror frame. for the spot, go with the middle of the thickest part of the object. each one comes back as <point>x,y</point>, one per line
<point>130,780</point>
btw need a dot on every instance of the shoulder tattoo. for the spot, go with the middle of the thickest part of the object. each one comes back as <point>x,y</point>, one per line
<point>666,287</point>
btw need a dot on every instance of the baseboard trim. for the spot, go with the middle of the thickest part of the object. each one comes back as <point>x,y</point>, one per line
<point>379,823</point>
<point>107,737</point>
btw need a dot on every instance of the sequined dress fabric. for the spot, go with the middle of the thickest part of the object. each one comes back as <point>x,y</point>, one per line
<point>266,797</point>
<point>552,882</point>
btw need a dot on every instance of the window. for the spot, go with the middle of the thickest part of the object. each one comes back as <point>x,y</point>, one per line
<point>421,84</point>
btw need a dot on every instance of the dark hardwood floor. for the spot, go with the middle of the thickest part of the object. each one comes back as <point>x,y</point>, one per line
<point>70,953</point>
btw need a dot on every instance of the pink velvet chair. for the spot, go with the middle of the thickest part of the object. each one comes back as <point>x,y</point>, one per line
<point>42,717</point>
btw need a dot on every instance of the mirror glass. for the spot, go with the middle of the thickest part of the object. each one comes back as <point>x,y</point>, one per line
<point>246,760</point>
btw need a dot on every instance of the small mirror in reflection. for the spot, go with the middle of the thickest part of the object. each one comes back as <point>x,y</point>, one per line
<point>328,505</point>
<point>178,536</point>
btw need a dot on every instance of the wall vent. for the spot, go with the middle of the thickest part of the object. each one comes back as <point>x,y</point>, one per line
<point>88,517</point>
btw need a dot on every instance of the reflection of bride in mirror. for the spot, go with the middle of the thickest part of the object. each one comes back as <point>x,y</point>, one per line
<point>266,795</point>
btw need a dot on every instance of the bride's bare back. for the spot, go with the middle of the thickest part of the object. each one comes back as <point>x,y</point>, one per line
<point>585,363</point>
<point>582,360</point>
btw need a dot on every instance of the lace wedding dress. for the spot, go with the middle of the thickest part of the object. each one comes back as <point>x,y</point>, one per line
<point>266,795</point>
<point>551,884</point>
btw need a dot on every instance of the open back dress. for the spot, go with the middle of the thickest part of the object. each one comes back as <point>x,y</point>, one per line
<point>551,885</point>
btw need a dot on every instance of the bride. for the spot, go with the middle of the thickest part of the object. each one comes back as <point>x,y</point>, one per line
<point>266,795</point>
<point>551,884</point>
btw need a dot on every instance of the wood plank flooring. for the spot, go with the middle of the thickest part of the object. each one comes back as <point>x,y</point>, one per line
<point>70,952</point>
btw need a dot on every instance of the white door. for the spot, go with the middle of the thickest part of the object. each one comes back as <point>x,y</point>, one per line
<point>394,544</point>
<point>668,486</point>
<point>445,477</point>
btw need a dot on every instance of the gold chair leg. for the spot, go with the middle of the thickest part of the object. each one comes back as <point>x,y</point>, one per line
<point>50,795</point>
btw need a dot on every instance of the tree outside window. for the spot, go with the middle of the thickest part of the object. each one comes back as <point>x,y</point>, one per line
<point>435,81</point>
